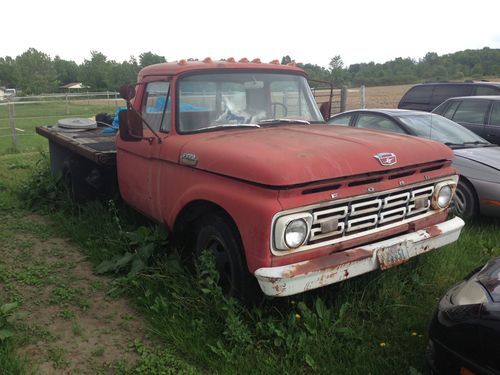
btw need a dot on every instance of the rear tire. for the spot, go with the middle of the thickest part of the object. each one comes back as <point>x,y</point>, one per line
<point>74,175</point>
<point>218,235</point>
<point>465,200</point>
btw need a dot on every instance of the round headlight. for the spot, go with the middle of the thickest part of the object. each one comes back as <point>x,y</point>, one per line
<point>295,233</point>
<point>444,196</point>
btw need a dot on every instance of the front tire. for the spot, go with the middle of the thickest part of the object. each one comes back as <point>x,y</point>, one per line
<point>218,235</point>
<point>465,201</point>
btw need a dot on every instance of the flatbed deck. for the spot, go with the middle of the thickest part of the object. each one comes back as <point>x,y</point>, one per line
<point>91,144</point>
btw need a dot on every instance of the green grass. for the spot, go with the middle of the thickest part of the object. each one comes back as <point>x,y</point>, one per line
<point>28,116</point>
<point>10,362</point>
<point>376,323</point>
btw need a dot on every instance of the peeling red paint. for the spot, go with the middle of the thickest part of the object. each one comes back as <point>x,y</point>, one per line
<point>433,231</point>
<point>328,264</point>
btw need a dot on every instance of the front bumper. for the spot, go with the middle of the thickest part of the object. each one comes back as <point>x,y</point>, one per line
<point>338,266</point>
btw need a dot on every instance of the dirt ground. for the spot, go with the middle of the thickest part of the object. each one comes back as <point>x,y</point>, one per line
<point>378,97</point>
<point>70,325</point>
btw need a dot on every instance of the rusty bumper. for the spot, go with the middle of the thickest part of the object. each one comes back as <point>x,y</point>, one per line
<point>300,277</point>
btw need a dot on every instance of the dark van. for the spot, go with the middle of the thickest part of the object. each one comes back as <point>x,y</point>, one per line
<point>427,96</point>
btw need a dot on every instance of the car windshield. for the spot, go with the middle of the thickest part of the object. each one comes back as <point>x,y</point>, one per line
<point>246,100</point>
<point>441,129</point>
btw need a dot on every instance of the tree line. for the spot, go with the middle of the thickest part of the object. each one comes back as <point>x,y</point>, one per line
<point>469,64</point>
<point>35,72</point>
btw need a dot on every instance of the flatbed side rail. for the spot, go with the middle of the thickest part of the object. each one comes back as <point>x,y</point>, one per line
<point>91,144</point>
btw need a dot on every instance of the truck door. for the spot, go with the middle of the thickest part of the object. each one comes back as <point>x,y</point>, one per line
<point>137,162</point>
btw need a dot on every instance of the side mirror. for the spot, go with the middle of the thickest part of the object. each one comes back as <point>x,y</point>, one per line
<point>130,126</point>
<point>127,92</point>
<point>326,110</point>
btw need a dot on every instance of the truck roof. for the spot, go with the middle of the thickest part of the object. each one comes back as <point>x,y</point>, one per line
<point>182,66</point>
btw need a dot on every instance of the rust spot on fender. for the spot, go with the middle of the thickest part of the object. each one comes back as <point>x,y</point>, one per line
<point>433,231</point>
<point>276,285</point>
<point>329,263</point>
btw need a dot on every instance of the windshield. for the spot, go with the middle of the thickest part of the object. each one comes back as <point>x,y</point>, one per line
<point>440,129</point>
<point>210,101</point>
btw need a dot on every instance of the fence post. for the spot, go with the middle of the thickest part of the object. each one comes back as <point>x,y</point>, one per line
<point>88,98</point>
<point>67,107</point>
<point>12,119</point>
<point>362,96</point>
<point>343,98</point>
<point>116,103</point>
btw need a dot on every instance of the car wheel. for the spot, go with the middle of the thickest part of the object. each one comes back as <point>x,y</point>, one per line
<point>465,201</point>
<point>218,235</point>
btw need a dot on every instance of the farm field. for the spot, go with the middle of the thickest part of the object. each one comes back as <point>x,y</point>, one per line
<point>171,318</point>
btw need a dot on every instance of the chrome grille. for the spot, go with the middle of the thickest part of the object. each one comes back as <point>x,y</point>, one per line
<point>338,220</point>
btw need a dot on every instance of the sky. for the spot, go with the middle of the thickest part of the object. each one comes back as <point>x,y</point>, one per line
<point>310,31</point>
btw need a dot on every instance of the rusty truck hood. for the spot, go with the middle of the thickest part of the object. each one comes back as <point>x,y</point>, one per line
<point>299,154</point>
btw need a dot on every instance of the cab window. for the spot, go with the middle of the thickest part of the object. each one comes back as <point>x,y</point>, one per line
<point>485,90</point>
<point>450,111</point>
<point>156,106</point>
<point>377,122</point>
<point>340,120</point>
<point>471,111</point>
<point>495,114</point>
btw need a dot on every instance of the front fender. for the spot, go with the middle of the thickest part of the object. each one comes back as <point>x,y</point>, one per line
<point>251,207</point>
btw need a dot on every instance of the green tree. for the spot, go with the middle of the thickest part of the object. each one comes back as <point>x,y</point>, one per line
<point>95,72</point>
<point>286,60</point>
<point>35,72</point>
<point>67,71</point>
<point>337,70</point>
<point>123,73</point>
<point>149,58</point>
<point>7,75</point>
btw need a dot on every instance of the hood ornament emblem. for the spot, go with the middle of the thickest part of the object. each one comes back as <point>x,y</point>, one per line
<point>386,158</point>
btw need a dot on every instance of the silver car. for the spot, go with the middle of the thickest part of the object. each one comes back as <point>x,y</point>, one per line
<point>477,160</point>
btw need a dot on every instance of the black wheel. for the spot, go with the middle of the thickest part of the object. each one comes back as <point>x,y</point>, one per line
<point>465,201</point>
<point>218,235</point>
<point>74,175</point>
<point>275,106</point>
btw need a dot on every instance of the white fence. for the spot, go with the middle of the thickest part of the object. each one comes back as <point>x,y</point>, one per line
<point>65,102</point>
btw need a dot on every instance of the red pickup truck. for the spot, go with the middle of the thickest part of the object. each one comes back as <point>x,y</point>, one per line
<point>236,154</point>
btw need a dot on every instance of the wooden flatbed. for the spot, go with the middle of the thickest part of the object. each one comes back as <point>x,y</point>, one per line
<point>92,144</point>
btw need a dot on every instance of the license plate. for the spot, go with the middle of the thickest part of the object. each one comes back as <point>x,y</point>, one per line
<point>392,256</point>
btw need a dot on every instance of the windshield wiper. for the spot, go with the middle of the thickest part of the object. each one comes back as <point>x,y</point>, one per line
<point>465,144</point>
<point>451,144</point>
<point>212,127</point>
<point>278,121</point>
<point>477,143</point>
